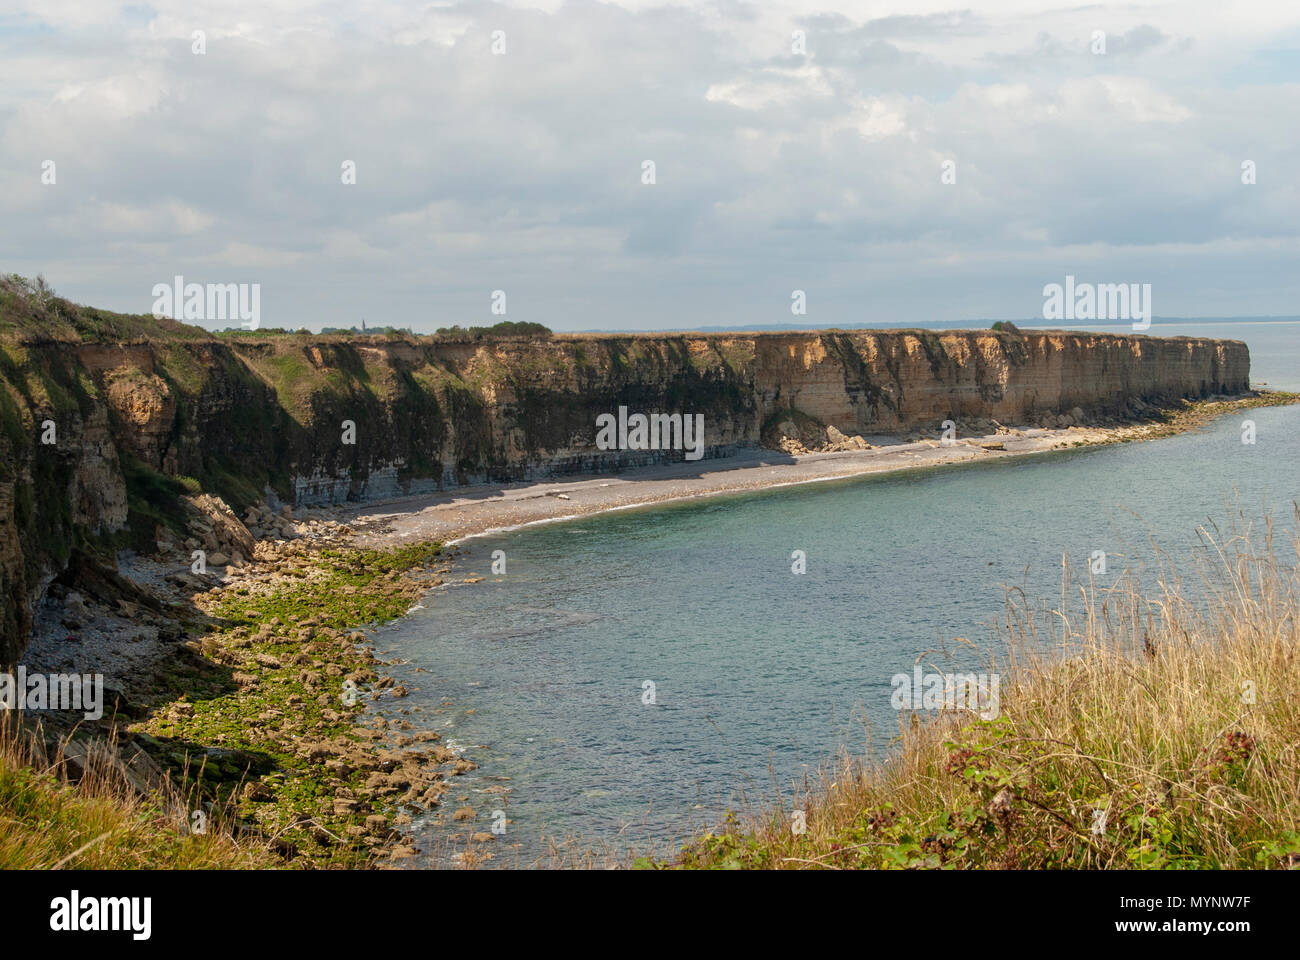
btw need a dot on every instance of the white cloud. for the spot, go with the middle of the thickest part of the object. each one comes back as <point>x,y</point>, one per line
<point>523,171</point>
<point>168,217</point>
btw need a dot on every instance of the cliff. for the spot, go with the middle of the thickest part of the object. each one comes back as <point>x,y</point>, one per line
<point>148,413</point>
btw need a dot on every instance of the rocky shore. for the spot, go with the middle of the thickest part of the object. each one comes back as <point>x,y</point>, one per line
<point>246,688</point>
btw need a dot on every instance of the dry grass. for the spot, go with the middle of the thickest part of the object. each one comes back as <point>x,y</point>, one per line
<point>98,822</point>
<point>1175,715</point>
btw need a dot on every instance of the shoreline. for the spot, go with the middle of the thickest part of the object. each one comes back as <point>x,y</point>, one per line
<point>488,510</point>
<point>455,518</point>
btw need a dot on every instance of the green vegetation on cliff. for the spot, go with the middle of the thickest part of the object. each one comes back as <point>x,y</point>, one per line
<point>32,310</point>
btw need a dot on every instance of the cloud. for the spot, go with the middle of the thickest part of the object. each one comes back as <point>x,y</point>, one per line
<point>776,168</point>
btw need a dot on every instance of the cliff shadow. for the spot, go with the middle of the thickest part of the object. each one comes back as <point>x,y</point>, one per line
<point>132,636</point>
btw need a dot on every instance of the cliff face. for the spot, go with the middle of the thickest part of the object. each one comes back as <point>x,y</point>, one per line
<point>142,422</point>
<point>869,381</point>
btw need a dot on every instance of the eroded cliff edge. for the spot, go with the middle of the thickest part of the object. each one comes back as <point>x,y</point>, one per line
<point>146,413</point>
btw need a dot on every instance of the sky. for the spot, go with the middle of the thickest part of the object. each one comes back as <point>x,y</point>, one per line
<point>896,162</point>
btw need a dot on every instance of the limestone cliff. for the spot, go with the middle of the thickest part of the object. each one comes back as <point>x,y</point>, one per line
<point>883,381</point>
<point>146,413</point>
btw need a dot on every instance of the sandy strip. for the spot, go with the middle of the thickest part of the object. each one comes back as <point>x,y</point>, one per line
<point>475,510</point>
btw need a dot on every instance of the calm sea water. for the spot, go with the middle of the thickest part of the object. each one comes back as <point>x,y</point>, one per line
<point>760,675</point>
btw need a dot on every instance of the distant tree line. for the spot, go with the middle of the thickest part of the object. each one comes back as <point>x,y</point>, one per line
<point>377,330</point>
<point>506,328</point>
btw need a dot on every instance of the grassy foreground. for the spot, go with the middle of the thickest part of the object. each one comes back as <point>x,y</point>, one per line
<point>1157,732</point>
<point>47,821</point>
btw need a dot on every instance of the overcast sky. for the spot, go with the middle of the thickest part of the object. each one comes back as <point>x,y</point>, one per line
<point>774,169</point>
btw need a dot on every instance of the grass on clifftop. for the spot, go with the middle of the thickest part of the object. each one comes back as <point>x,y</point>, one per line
<point>31,310</point>
<point>1166,736</point>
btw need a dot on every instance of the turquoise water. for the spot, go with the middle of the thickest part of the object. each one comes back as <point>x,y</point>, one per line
<point>761,674</point>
